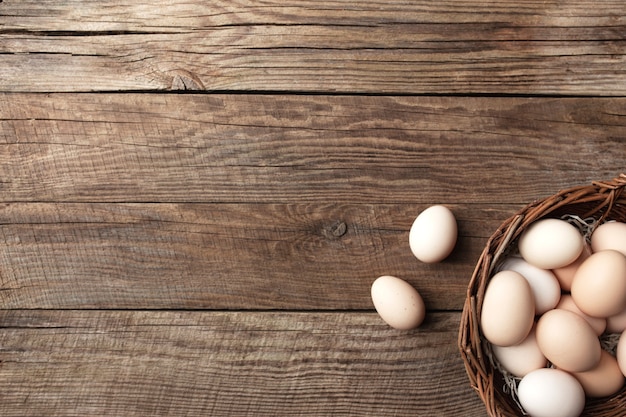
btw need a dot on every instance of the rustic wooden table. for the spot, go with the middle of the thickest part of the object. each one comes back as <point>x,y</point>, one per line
<point>197,195</point>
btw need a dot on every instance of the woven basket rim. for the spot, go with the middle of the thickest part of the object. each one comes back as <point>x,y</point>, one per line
<point>602,200</point>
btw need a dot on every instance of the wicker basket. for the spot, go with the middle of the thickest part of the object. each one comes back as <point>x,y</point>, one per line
<point>601,200</point>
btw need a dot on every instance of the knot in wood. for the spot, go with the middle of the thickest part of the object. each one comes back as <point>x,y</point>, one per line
<point>337,229</point>
<point>185,80</point>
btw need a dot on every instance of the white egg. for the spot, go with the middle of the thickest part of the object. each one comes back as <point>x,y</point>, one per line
<point>551,243</point>
<point>549,392</point>
<point>543,283</point>
<point>433,234</point>
<point>397,302</point>
<point>522,358</point>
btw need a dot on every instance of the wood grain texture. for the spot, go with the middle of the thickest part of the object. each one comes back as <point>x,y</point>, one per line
<point>195,196</point>
<point>225,256</point>
<point>424,46</point>
<point>117,363</point>
<point>268,201</point>
<point>309,149</point>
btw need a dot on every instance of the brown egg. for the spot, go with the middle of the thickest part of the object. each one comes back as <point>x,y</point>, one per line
<point>568,341</point>
<point>597,323</point>
<point>609,235</point>
<point>599,285</point>
<point>603,380</point>
<point>565,274</point>
<point>616,323</point>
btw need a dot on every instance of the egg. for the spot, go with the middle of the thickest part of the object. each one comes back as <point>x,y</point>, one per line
<point>621,353</point>
<point>568,341</point>
<point>616,323</point>
<point>551,392</point>
<point>599,285</point>
<point>598,324</point>
<point>508,309</point>
<point>565,274</point>
<point>433,235</point>
<point>550,243</point>
<point>604,379</point>
<point>522,358</point>
<point>543,283</point>
<point>397,302</point>
<point>609,235</point>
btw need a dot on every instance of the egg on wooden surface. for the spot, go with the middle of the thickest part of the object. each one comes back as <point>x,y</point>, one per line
<point>621,353</point>
<point>598,324</point>
<point>568,341</point>
<point>543,283</point>
<point>522,358</point>
<point>609,235</point>
<point>508,309</point>
<point>397,302</point>
<point>604,379</point>
<point>433,235</point>
<point>565,274</point>
<point>550,243</point>
<point>549,392</point>
<point>599,285</point>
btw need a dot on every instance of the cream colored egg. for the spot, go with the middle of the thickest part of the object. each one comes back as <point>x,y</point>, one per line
<point>621,353</point>
<point>433,234</point>
<point>603,380</point>
<point>599,285</point>
<point>522,358</point>
<point>551,392</point>
<point>508,309</point>
<point>568,341</point>
<point>598,324</point>
<point>543,283</point>
<point>609,235</point>
<point>550,243</point>
<point>397,302</point>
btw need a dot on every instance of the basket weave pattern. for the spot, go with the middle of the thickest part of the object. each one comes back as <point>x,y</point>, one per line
<point>601,200</point>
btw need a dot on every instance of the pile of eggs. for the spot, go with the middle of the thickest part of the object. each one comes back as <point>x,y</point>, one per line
<point>548,309</point>
<point>547,312</point>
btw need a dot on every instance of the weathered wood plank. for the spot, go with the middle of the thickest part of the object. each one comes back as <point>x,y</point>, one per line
<point>117,363</point>
<point>310,149</point>
<point>498,16</point>
<point>226,256</point>
<point>434,47</point>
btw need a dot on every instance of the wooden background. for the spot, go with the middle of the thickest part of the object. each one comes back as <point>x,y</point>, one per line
<point>195,196</point>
